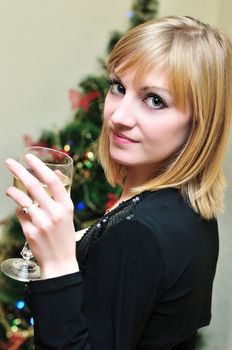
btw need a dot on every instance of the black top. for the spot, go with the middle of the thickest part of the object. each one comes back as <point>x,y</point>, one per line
<point>146,279</point>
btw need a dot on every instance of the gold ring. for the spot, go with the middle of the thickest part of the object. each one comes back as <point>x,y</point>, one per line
<point>25,208</point>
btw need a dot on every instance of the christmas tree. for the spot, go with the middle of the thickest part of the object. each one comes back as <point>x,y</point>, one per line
<point>90,193</point>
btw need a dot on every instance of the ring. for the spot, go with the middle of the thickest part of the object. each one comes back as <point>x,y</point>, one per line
<point>26,207</point>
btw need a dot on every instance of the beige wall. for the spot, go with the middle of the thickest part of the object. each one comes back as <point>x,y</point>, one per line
<point>224,15</point>
<point>46,47</point>
<point>206,10</point>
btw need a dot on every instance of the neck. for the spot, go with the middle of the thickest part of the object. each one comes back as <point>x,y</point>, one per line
<point>137,176</point>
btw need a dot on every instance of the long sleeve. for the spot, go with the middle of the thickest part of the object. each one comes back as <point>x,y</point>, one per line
<point>109,306</point>
<point>56,306</point>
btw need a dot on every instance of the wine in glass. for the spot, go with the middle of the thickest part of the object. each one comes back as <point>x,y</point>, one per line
<point>26,268</point>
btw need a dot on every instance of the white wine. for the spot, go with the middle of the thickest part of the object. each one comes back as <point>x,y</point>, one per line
<point>66,181</point>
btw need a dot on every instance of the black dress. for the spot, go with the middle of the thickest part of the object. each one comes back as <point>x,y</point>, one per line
<point>147,271</point>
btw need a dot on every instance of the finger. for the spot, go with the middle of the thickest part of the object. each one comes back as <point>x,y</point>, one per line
<point>29,229</point>
<point>21,198</point>
<point>38,216</point>
<point>55,180</point>
<point>31,183</point>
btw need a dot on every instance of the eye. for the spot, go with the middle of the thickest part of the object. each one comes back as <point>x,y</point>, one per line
<point>116,87</point>
<point>154,101</point>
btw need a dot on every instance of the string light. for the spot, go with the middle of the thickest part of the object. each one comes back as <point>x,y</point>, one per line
<point>76,157</point>
<point>88,135</point>
<point>16,322</point>
<point>32,321</point>
<point>130,14</point>
<point>67,148</point>
<point>89,155</point>
<point>88,164</point>
<point>80,206</point>
<point>20,304</point>
<point>79,165</point>
<point>14,329</point>
<point>25,333</point>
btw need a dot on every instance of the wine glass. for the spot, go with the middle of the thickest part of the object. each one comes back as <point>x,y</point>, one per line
<point>26,269</point>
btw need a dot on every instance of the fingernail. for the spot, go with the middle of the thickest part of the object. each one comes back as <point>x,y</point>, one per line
<point>9,161</point>
<point>8,191</point>
<point>29,156</point>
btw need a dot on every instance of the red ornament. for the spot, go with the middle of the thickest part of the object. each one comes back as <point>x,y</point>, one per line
<point>82,101</point>
<point>74,97</point>
<point>112,198</point>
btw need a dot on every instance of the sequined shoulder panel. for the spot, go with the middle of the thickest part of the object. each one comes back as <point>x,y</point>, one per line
<point>124,210</point>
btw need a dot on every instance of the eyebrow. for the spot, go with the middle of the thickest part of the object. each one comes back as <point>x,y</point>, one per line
<point>115,76</point>
<point>145,88</point>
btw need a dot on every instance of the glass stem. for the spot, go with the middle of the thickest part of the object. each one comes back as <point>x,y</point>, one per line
<point>26,252</point>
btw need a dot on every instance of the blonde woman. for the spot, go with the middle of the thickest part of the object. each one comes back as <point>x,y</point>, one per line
<point>144,272</point>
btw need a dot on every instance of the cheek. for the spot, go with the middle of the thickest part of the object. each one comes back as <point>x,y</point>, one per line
<point>179,134</point>
<point>183,129</point>
<point>169,134</point>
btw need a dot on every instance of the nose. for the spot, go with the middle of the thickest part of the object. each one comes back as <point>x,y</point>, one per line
<point>124,114</point>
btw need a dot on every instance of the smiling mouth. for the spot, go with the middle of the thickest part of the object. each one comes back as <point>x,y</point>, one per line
<point>119,135</point>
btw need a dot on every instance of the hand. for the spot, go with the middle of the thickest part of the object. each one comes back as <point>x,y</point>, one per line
<point>48,224</point>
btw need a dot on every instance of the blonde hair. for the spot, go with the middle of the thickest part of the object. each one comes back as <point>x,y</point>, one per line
<point>198,61</point>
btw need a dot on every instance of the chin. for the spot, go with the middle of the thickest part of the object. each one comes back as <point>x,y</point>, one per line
<point>120,160</point>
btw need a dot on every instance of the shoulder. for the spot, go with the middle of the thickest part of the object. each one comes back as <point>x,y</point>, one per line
<point>182,234</point>
<point>167,211</point>
<point>166,218</point>
<point>164,203</point>
<point>164,224</point>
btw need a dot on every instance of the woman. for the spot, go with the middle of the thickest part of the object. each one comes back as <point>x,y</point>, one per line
<point>144,272</point>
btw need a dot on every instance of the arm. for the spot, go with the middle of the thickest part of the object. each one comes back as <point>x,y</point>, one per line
<point>56,307</point>
<point>109,307</point>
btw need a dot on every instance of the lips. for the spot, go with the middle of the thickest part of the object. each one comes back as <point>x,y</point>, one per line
<point>118,135</point>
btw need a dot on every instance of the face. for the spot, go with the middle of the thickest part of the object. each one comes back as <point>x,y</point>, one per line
<point>144,126</point>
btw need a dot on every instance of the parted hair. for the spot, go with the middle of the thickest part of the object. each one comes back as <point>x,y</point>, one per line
<point>197,59</point>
